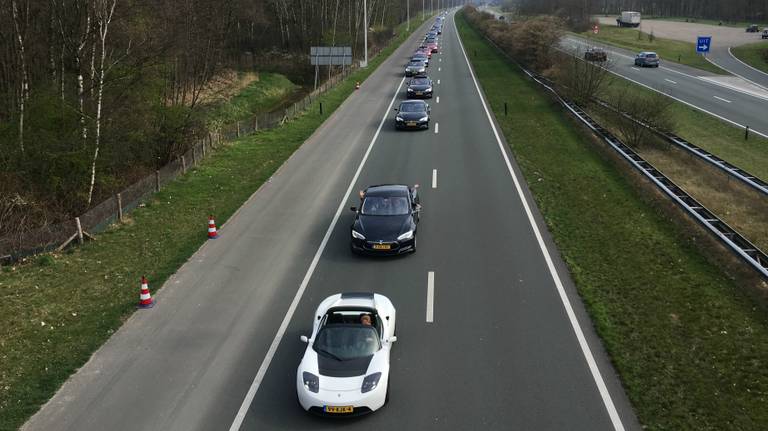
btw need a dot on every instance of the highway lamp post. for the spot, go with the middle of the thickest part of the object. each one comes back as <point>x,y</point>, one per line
<point>408,15</point>
<point>365,33</point>
<point>423,16</point>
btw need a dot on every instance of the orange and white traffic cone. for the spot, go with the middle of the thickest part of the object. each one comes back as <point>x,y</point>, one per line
<point>145,299</point>
<point>357,85</point>
<point>212,234</point>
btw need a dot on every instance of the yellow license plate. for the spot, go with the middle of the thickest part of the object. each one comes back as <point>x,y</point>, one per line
<point>381,246</point>
<point>338,409</point>
<point>410,123</point>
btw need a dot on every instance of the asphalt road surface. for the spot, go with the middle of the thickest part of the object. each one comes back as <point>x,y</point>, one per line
<point>728,98</point>
<point>510,346</point>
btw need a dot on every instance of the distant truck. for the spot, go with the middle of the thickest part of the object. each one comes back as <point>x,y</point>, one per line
<point>628,19</point>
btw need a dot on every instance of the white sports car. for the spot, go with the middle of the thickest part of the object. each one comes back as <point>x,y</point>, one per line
<point>345,369</point>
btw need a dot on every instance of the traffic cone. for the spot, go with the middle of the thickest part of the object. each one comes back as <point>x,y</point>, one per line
<point>212,234</point>
<point>357,85</point>
<point>145,299</point>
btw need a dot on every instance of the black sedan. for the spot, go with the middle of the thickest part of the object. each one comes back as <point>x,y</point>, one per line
<point>412,114</point>
<point>420,87</point>
<point>385,223</point>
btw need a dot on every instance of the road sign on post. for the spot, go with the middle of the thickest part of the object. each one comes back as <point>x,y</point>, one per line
<point>703,43</point>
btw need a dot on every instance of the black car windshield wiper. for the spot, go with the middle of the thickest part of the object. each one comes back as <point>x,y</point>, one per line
<point>327,353</point>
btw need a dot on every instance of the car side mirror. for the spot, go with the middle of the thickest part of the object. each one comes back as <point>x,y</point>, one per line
<point>416,207</point>
<point>395,109</point>
<point>353,209</point>
<point>392,339</point>
<point>304,339</point>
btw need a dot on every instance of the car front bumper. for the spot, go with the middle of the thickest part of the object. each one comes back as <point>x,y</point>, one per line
<point>416,95</point>
<point>404,125</point>
<point>361,403</point>
<point>395,247</point>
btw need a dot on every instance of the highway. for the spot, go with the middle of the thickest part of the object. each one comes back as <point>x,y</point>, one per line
<point>510,346</point>
<point>724,58</point>
<point>716,95</point>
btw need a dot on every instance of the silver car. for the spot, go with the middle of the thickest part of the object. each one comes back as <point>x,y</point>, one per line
<point>647,59</point>
<point>415,68</point>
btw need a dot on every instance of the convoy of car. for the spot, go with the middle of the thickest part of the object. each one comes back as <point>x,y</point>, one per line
<point>344,371</point>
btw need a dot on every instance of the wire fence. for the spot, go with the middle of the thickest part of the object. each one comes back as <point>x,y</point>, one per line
<point>98,218</point>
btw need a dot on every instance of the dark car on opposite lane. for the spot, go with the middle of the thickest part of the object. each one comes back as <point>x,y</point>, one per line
<point>420,87</point>
<point>385,223</point>
<point>412,114</point>
<point>595,54</point>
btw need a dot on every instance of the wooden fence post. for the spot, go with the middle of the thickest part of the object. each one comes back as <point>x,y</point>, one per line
<point>119,199</point>
<point>183,164</point>
<point>157,180</point>
<point>238,128</point>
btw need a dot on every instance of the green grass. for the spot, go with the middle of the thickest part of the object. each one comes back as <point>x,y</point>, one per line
<point>56,310</point>
<point>260,96</point>
<point>690,346</point>
<point>714,135</point>
<point>668,50</point>
<point>754,54</point>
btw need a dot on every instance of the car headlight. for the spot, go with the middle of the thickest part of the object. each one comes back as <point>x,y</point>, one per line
<point>425,118</point>
<point>407,235</point>
<point>410,90</point>
<point>397,119</point>
<point>356,234</point>
<point>428,89</point>
<point>370,382</point>
<point>311,382</point>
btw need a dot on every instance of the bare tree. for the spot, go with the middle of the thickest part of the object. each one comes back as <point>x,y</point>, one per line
<point>580,79</point>
<point>635,113</point>
<point>104,11</point>
<point>24,90</point>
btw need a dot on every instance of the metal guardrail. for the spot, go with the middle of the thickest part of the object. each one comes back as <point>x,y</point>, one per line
<point>726,234</point>
<point>749,179</point>
<point>739,245</point>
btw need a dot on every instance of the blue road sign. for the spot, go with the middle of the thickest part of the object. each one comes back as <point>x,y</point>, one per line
<point>703,43</point>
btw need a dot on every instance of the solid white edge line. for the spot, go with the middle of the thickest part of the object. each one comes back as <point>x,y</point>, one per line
<point>434,178</point>
<point>240,417</point>
<point>596,376</point>
<point>430,296</point>
<point>745,64</point>
<point>437,126</point>
<point>764,135</point>
<point>724,100</point>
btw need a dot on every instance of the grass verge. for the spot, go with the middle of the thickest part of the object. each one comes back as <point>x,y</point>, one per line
<point>714,135</point>
<point>266,93</point>
<point>690,346</point>
<point>754,54</point>
<point>56,310</point>
<point>668,50</point>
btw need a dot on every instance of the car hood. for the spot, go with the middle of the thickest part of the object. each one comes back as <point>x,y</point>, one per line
<point>419,87</point>
<point>385,228</point>
<point>345,375</point>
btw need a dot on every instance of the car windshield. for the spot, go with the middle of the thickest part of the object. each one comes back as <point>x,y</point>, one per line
<point>419,55</point>
<point>416,63</point>
<point>385,206</point>
<point>420,81</point>
<point>345,342</point>
<point>412,107</point>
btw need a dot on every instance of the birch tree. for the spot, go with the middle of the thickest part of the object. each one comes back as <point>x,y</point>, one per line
<point>104,11</point>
